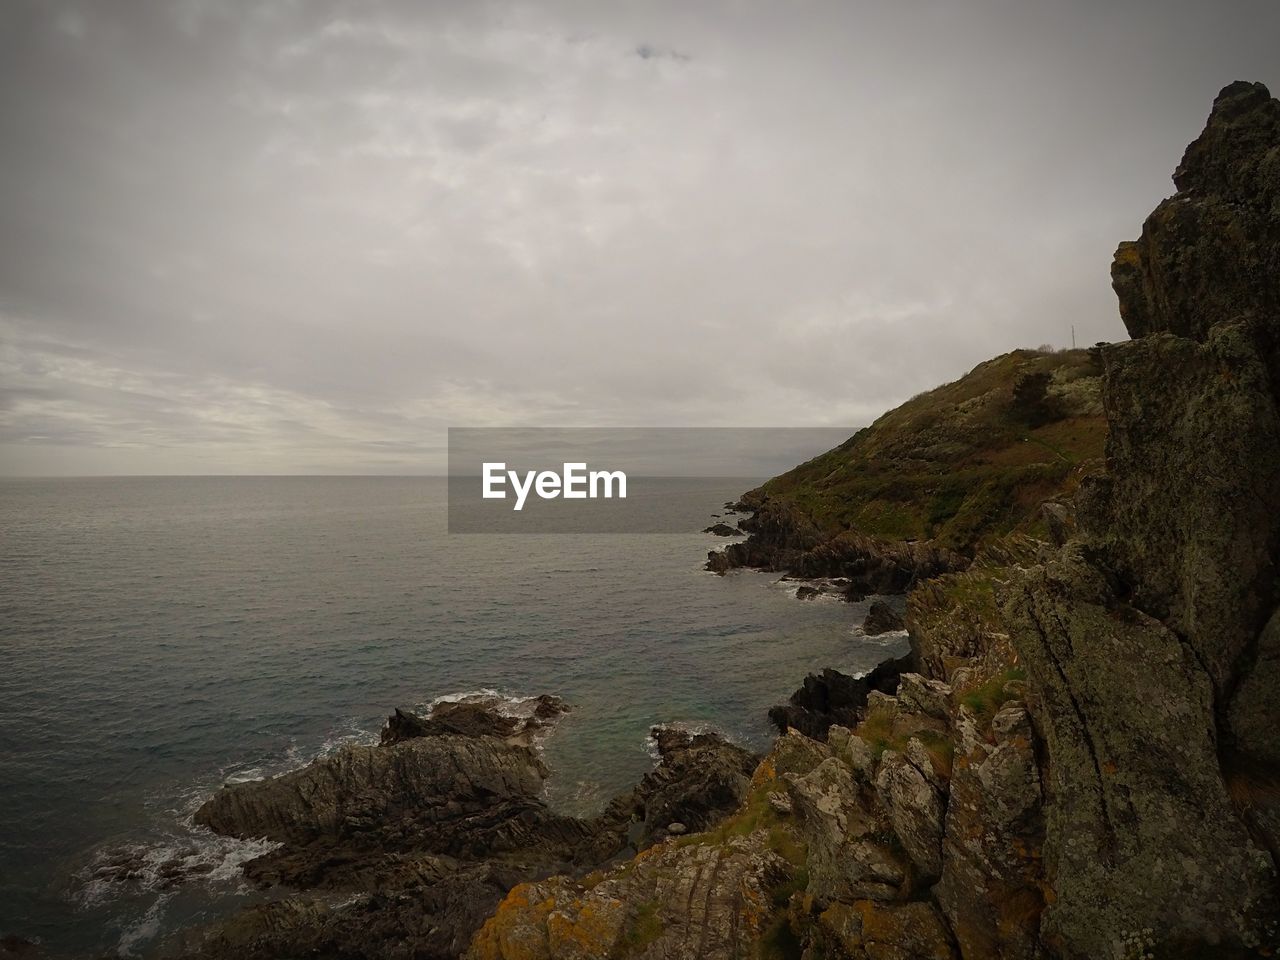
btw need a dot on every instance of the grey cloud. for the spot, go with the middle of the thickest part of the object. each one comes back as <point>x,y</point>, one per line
<point>308,236</point>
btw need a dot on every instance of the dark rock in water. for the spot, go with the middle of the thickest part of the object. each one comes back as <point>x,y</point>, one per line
<point>474,717</point>
<point>431,827</point>
<point>882,618</point>
<point>839,588</point>
<point>722,530</point>
<point>835,698</point>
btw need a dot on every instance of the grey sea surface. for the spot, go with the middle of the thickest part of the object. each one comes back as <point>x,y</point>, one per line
<point>162,636</point>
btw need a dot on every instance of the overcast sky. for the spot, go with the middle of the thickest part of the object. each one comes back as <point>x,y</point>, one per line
<point>308,236</point>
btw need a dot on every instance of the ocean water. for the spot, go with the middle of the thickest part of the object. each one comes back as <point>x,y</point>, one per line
<point>161,636</point>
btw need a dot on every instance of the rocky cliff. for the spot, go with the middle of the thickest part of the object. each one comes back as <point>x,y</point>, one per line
<point>1082,761</point>
<point>1151,639</point>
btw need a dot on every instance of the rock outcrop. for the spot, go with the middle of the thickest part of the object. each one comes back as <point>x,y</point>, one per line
<point>882,618</point>
<point>832,697</point>
<point>1149,640</point>
<point>722,530</point>
<point>426,832</point>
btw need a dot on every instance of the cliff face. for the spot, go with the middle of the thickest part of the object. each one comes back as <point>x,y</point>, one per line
<point>1152,640</point>
<point>1087,762</point>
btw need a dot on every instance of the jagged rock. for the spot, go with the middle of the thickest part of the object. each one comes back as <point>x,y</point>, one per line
<point>1211,253</point>
<point>915,811</point>
<point>921,695</point>
<point>1135,790</point>
<point>991,890</point>
<point>701,778</point>
<point>855,752</point>
<point>684,900</point>
<point>722,530</point>
<point>1148,645</point>
<point>1202,448</point>
<point>1060,518</point>
<point>475,716</point>
<point>360,789</point>
<point>1195,406</point>
<point>923,760</point>
<point>867,930</point>
<point>783,538</point>
<point>777,529</point>
<point>433,826</point>
<point>881,618</point>
<point>835,697</point>
<point>432,922</point>
<point>848,838</point>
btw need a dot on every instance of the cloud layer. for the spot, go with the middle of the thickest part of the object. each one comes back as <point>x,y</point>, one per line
<point>306,237</point>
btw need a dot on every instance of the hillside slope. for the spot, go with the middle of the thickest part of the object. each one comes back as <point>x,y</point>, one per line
<point>931,482</point>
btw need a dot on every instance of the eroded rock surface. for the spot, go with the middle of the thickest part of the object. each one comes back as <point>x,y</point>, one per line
<point>404,848</point>
<point>1148,642</point>
<point>834,697</point>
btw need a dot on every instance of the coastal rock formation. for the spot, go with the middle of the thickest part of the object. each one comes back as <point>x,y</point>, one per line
<point>699,780</point>
<point>833,697</point>
<point>1077,760</point>
<point>678,902</point>
<point>1149,641</point>
<point>1135,786</point>
<point>881,618</point>
<point>1085,764</point>
<point>722,530</point>
<point>1208,254</point>
<point>426,832</point>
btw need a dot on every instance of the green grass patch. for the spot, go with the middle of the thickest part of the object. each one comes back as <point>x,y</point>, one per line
<point>959,464</point>
<point>644,928</point>
<point>985,701</point>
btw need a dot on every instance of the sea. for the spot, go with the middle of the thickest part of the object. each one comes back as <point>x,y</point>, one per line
<point>160,637</point>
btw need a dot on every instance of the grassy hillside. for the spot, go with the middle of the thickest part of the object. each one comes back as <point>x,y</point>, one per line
<point>964,463</point>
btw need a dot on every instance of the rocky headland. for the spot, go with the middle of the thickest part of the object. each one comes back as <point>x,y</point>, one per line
<point>1077,759</point>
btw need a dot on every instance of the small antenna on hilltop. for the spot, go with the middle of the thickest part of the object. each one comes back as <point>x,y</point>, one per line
<point>1073,336</point>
